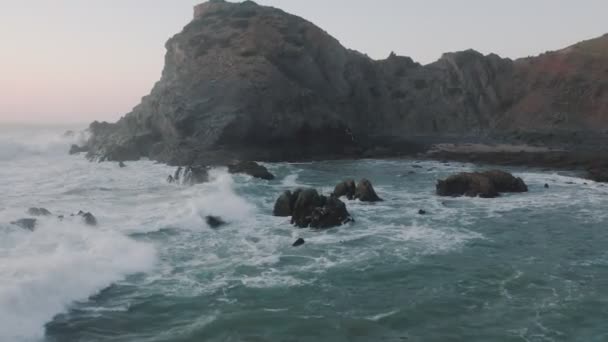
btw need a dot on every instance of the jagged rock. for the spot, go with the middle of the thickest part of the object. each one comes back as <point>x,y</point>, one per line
<point>26,223</point>
<point>299,242</point>
<point>38,212</point>
<point>252,82</point>
<point>190,175</point>
<point>316,211</point>
<point>89,219</point>
<point>74,149</point>
<point>483,184</point>
<point>332,214</point>
<point>365,192</point>
<point>214,221</point>
<point>252,169</point>
<point>346,188</point>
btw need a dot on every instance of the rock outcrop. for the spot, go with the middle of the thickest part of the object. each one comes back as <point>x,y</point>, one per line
<point>26,223</point>
<point>38,212</point>
<point>346,188</point>
<point>365,192</point>
<point>252,169</point>
<point>308,208</point>
<point>487,184</point>
<point>190,175</point>
<point>249,82</point>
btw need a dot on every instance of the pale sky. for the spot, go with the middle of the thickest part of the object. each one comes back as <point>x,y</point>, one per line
<point>81,60</point>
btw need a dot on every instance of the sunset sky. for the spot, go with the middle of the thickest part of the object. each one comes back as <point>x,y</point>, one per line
<point>77,60</point>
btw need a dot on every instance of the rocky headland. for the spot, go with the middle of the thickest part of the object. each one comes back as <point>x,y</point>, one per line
<point>248,82</point>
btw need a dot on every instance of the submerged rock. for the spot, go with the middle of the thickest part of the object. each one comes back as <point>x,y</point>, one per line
<point>421,212</point>
<point>214,221</point>
<point>38,212</point>
<point>252,169</point>
<point>121,164</point>
<point>299,242</point>
<point>365,192</point>
<point>74,149</point>
<point>346,188</point>
<point>26,223</point>
<point>487,184</point>
<point>89,219</point>
<point>190,175</point>
<point>546,186</point>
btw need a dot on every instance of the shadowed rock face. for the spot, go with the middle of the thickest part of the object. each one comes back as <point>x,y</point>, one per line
<point>248,82</point>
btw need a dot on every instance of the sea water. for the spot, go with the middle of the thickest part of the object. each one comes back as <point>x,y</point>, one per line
<point>521,267</point>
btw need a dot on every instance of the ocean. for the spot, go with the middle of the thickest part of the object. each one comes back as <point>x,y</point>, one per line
<point>521,267</point>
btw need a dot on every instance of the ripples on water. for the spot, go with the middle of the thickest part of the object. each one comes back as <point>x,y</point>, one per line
<point>524,267</point>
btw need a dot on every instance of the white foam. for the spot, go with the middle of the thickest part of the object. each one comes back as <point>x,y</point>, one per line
<point>44,271</point>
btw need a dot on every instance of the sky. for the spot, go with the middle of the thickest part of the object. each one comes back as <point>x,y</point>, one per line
<point>74,61</point>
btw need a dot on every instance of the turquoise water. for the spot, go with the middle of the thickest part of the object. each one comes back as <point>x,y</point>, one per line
<point>523,267</point>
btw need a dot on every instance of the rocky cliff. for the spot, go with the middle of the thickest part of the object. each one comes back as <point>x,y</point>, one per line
<point>243,81</point>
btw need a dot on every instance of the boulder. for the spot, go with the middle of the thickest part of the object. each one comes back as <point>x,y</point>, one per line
<point>89,219</point>
<point>283,207</point>
<point>26,223</point>
<point>38,212</point>
<point>487,184</point>
<point>74,149</point>
<point>365,192</point>
<point>214,221</point>
<point>190,175</point>
<point>121,164</point>
<point>546,186</point>
<point>506,182</point>
<point>299,242</point>
<point>316,211</point>
<point>304,205</point>
<point>421,212</point>
<point>252,169</point>
<point>332,214</point>
<point>346,188</point>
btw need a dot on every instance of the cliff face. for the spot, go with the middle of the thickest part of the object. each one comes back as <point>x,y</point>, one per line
<point>247,81</point>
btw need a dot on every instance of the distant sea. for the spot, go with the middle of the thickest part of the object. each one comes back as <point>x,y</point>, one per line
<point>522,267</point>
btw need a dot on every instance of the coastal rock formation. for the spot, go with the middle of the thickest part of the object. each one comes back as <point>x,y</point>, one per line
<point>346,188</point>
<point>309,209</point>
<point>365,192</point>
<point>75,149</point>
<point>252,169</point>
<point>38,212</point>
<point>190,175</point>
<point>249,82</point>
<point>487,184</point>
<point>26,223</point>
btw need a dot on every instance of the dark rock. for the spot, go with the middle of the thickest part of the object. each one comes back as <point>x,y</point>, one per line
<point>299,242</point>
<point>346,188</point>
<point>598,174</point>
<point>121,164</point>
<point>506,182</point>
<point>60,217</point>
<point>38,212</point>
<point>26,223</point>
<point>252,169</point>
<point>214,221</point>
<point>74,149</point>
<point>333,213</point>
<point>190,175</point>
<point>421,212</point>
<point>89,219</point>
<point>283,207</point>
<point>483,184</point>
<point>365,192</point>
<point>305,204</point>
<point>546,186</point>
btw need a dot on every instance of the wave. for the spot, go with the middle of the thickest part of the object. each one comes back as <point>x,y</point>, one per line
<point>37,141</point>
<point>44,271</point>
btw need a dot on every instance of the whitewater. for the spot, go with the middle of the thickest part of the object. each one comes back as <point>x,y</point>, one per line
<point>522,267</point>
